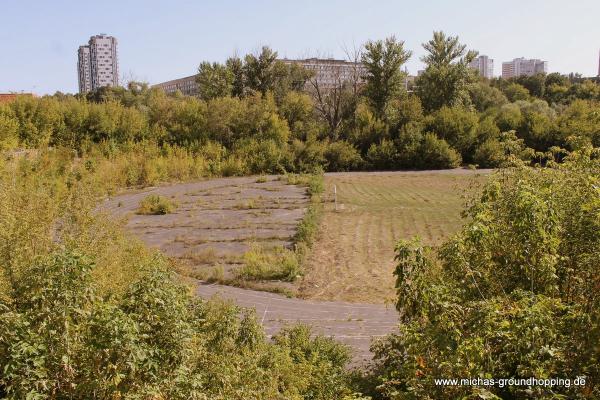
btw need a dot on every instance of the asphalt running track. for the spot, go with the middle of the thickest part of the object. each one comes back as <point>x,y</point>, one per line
<point>355,324</point>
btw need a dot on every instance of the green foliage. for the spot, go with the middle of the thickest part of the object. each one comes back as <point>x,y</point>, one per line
<point>437,154</point>
<point>447,76</point>
<point>259,70</point>
<point>86,313</point>
<point>457,126</point>
<point>502,150</point>
<point>214,80</point>
<point>485,96</point>
<point>270,264</point>
<point>342,156</point>
<point>515,92</point>
<point>156,205</point>
<point>255,114</point>
<point>383,60</point>
<point>511,296</point>
<point>9,131</point>
<point>382,156</point>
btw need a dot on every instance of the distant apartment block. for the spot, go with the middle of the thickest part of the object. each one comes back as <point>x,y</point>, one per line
<point>523,67</point>
<point>330,73</point>
<point>484,65</point>
<point>187,86</point>
<point>98,63</point>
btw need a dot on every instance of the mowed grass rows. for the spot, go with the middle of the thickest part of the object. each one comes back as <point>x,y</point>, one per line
<point>353,259</point>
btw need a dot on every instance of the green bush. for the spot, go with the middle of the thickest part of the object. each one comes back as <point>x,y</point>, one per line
<point>436,153</point>
<point>269,264</point>
<point>512,295</point>
<point>382,156</point>
<point>342,156</point>
<point>156,205</point>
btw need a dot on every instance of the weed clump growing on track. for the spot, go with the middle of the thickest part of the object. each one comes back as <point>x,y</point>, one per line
<point>156,205</point>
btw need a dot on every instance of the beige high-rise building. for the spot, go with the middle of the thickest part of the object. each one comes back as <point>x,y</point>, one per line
<point>484,65</point>
<point>523,67</point>
<point>98,63</point>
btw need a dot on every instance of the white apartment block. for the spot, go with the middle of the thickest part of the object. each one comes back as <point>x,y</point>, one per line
<point>484,65</point>
<point>330,73</point>
<point>98,63</point>
<point>523,67</point>
<point>187,86</point>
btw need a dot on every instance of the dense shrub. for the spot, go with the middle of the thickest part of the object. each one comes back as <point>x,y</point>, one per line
<point>436,153</point>
<point>156,205</point>
<point>382,156</point>
<point>86,312</point>
<point>513,295</point>
<point>342,156</point>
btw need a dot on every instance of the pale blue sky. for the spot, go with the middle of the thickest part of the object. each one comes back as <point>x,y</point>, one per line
<point>163,40</point>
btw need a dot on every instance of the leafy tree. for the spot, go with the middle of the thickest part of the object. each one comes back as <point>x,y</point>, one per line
<point>435,153</point>
<point>214,80</point>
<point>457,126</point>
<point>342,156</point>
<point>402,111</point>
<point>447,76</point>
<point>485,96</point>
<point>259,70</point>
<point>581,118</point>
<point>515,92</point>
<point>535,84</point>
<point>9,131</point>
<point>236,67</point>
<point>383,60</point>
<point>297,109</point>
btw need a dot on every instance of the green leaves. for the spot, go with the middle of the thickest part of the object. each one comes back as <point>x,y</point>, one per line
<point>447,76</point>
<point>510,296</point>
<point>383,60</point>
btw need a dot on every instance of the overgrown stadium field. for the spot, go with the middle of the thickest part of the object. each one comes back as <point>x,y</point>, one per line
<point>353,259</point>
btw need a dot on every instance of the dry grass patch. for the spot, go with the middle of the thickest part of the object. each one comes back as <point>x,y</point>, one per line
<point>353,258</point>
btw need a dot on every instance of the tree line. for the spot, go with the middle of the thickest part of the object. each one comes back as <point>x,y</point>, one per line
<point>277,117</point>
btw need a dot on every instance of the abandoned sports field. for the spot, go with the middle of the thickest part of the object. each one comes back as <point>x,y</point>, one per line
<point>345,286</point>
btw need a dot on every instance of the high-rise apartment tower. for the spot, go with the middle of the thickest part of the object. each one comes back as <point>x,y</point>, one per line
<point>98,63</point>
<point>484,65</point>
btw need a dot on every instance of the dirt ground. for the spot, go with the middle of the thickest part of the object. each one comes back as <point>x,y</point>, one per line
<point>216,221</point>
<point>353,258</point>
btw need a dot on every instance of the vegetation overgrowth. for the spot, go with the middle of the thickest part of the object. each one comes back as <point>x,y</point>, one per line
<point>283,263</point>
<point>268,117</point>
<point>87,312</point>
<point>513,295</point>
<point>156,205</point>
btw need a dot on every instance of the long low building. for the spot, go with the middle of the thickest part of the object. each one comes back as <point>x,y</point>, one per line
<point>329,72</point>
<point>187,86</point>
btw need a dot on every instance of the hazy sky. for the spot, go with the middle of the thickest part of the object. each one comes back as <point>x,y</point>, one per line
<point>163,40</point>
